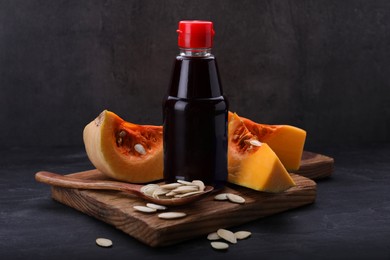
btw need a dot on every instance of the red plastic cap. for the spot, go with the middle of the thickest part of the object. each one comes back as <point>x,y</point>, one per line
<point>195,34</point>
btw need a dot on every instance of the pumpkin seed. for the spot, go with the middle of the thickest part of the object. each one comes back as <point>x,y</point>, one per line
<point>140,149</point>
<point>213,236</point>
<point>184,182</point>
<point>103,242</point>
<point>221,196</point>
<point>242,234</point>
<point>171,186</point>
<point>227,235</point>
<point>235,198</point>
<point>156,206</point>
<point>158,192</point>
<point>149,189</point>
<point>172,215</point>
<point>219,245</point>
<point>200,184</point>
<point>183,195</point>
<point>144,209</point>
<point>255,142</point>
<point>185,189</point>
<point>122,133</point>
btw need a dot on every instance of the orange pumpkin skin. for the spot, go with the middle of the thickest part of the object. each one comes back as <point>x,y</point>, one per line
<point>285,140</point>
<point>124,151</point>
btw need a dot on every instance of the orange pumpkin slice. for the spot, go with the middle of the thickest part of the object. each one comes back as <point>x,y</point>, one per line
<point>285,140</point>
<point>253,164</point>
<point>124,151</point>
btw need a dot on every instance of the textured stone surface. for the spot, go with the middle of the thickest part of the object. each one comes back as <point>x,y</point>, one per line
<point>323,65</point>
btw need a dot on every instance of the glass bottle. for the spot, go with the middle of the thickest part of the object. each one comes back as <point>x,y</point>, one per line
<point>195,112</point>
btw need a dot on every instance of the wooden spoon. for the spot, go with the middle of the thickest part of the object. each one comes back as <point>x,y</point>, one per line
<point>135,189</point>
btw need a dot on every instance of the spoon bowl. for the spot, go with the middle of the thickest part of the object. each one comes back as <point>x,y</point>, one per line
<point>59,180</point>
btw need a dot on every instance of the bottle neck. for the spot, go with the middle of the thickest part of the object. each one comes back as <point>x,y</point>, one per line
<point>201,52</point>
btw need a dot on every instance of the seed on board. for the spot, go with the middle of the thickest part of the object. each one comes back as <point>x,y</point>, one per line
<point>235,198</point>
<point>213,236</point>
<point>242,234</point>
<point>227,235</point>
<point>172,215</point>
<point>255,142</point>
<point>219,245</point>
<point>103,242</point>
<point>221,196</point>
<point>144,209</point>
<point>155,206</point>
<point>140,149</point>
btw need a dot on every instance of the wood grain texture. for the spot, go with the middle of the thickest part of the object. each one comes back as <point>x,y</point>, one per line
<point>204,216</point>
<point>315,166</point>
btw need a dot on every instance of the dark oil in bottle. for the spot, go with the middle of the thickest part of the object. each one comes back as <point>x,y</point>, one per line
<point>195,123</point>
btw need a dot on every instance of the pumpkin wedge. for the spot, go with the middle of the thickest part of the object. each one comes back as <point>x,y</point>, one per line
<point>285,140</point>
<point>253,164</point>
<point>124,151</point>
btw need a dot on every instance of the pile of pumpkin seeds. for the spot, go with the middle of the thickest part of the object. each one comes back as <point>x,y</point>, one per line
<point>228,236</point>
<point>179,189</point>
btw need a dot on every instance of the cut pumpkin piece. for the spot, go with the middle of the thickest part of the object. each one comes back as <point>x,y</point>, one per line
<point>285,140</point>
<point>253,164</point>
<point>124,151</point>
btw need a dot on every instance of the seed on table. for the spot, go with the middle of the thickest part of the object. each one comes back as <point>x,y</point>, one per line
<point>227,235</point>
<point>242,234</point>
<point>103,242</point>
<point>156,206</point>
<point>213,236</point>
<point>219,245</point>
<point>221,196</point>
<point>172,215</point>
<point>144,209</point>
<point>235,198</point>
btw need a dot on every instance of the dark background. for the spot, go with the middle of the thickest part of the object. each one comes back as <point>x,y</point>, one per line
<point>323,66</point>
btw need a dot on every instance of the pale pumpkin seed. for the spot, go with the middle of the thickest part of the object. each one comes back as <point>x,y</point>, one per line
<point>200,184</point>
<point>255,142</point>
<point>144,209</point>
<point>156,206</point>
<point>183,195</point>
<point>221,196</point>
<point>235,198</point>
<point>184,182</point>
<point>213,236</point>
<point>185,189</point>
<point>227,235</point>
<point>172,215</point>
<point>103,242</point>
<point>140,149</point>
<point>171,186</point>
<point>242,234</point>
<point>219,245</point>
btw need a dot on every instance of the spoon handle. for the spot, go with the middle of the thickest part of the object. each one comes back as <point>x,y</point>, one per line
<point>73,183</point>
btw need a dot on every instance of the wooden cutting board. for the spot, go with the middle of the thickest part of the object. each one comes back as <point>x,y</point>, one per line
<point>203,217</point>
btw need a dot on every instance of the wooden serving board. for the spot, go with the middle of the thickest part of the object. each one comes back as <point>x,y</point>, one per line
<point>204,216</point>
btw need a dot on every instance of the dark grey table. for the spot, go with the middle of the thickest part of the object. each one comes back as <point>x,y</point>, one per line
<point>349,220</point>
